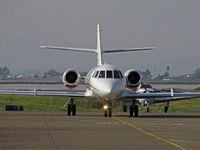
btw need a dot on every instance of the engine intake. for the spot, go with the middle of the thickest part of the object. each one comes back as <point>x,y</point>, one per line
<point>133,78</point>
<point>71,78</point>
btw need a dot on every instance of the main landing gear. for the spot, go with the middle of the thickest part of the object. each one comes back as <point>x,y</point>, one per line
<point>71,108</point>
<point>166,107</point>
<point>133,109</point>
<point>108,110</point>
<point>147,107</point>
<point>124,107</point>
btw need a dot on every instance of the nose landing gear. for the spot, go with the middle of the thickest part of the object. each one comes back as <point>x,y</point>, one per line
<point>108,110</point>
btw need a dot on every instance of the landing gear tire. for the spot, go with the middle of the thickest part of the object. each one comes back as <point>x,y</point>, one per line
<point>69,110</point>
<point>124,109</point>
<point>136,110</point>
<point>147,109</point>
<point>110,112</point>
<point>131,110</point>
<point>166,109</point>
<point>108,109</point>
<point>73,110</point>
<point>105,114</point>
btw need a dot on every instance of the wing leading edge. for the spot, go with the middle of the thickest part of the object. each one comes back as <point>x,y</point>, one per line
<point>168,99</point>
<point>160,95</point>
<point>157,97</point>
<point>44,93</point>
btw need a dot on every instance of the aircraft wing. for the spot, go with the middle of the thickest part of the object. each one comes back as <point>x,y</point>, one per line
<point>168,99</point>
<point>44,93</point>
<point>129,49</point>
<point>160,95</point>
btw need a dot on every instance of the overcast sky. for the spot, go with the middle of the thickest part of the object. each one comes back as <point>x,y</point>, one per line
<point>172,26</point>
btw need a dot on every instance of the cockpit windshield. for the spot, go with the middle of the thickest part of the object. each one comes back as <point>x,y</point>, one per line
<point>116,74</point>
<point>102,74</point>
<point>120,74</point>
<point>108,74</point>
<point>96,74</point>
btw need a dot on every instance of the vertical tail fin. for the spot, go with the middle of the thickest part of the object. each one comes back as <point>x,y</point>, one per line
<point>99,50</point>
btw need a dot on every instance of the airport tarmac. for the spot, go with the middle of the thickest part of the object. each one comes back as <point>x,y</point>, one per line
<point>55,130</point>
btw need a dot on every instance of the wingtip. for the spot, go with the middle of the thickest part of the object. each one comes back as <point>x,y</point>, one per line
<point>42,46</point>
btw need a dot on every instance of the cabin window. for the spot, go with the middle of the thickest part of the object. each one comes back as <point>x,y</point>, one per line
<point>116,74</point>
<point>102,74</point>
<point>109,74</point>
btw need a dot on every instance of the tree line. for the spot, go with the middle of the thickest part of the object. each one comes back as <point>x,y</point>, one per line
<point>146,75</point>
<point>4,71</point>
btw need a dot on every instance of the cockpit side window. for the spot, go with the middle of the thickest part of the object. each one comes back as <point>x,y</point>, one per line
<point>102,74</point>
<point>120,74</point>
<point>96,74</point>
<point>93,75</point>
<point>109,74</point>
<point>116,74</point>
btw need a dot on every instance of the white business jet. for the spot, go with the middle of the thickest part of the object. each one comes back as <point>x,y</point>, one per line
<point>104,82</point>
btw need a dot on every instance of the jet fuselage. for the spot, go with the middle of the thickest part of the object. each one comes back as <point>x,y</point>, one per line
<point>105,82</point>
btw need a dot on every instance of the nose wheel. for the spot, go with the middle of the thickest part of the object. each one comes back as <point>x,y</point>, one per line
<point>108,113</point>
<point>108,110</point>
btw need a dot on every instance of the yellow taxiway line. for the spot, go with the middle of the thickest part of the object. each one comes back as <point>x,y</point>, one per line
<point>151,134</point>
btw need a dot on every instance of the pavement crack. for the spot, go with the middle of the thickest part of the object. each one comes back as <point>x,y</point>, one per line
<point>49,133</point>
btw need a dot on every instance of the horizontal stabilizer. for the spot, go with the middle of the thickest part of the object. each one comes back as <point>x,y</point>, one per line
<point>70,49</point>
<point>129,49</point>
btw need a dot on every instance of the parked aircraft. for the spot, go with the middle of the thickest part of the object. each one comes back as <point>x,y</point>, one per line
<point>106,83</point>
<point>147,88</point>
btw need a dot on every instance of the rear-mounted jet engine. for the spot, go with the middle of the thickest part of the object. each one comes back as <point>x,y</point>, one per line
<point>71,78</point>
<point>133,78</point>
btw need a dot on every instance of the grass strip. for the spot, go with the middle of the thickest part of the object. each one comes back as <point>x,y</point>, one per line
<point>55,103</point>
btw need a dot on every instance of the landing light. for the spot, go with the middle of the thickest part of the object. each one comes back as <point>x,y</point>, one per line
<point>105,107</point>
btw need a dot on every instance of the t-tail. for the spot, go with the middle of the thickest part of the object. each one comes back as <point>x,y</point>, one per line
<point>98,49</point>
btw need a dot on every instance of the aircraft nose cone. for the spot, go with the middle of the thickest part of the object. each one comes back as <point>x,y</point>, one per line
<point>111,91</point>
<point>107,92</point>
<point>107,89</point>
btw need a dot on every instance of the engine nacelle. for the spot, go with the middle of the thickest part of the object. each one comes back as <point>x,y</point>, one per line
<point>71,78</point>
<point>133,78</point>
